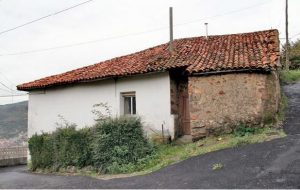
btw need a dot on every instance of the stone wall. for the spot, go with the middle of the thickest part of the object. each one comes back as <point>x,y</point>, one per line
<point>11,156</point>
<point>220,102</point>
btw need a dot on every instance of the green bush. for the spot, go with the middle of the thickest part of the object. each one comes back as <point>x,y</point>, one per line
<point>65,147</point>
<point>71,147</point>
<point>41,151</point>
<point>243,130</point>
<point>113,145</point>
<point>119,143</point>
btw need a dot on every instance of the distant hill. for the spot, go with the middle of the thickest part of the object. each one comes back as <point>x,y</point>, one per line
<point>13,119</point>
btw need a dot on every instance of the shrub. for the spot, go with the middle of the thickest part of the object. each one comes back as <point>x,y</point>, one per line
<point>65,147</point>
<point>41,151</point>
<point>71,147</point>
<point>242,130</point>
<point>119,143</point>
<point>113,145</point>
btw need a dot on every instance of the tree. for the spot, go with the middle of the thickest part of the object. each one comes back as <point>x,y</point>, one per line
<point>294,54</point>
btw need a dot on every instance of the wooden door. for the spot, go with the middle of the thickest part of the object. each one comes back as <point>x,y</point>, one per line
<point>184,114</point>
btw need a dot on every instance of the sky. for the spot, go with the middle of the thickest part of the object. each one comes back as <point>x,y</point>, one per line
<point>103,29</point>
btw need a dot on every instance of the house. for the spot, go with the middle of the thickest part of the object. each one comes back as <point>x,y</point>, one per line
<point>205,86</point>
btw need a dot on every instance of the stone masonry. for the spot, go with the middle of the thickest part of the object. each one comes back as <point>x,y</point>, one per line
<point>218,103</point>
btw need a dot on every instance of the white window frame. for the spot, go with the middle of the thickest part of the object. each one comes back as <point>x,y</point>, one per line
<point>130,95</point>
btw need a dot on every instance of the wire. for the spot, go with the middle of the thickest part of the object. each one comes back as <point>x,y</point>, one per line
<point>5,77</point>
<point>5,90</point>
<point>293,36</point>
<point>41,18</point>
<point>6,96</point>
<point>11,90</point>
<point>125,35</point>
<point>82,43</point>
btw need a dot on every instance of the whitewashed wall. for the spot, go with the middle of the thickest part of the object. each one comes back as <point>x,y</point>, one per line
<point>75,102</point>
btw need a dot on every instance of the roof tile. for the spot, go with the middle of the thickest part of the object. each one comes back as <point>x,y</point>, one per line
<point>256,50</point>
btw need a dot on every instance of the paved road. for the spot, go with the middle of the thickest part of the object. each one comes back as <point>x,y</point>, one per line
<point>273,164</point>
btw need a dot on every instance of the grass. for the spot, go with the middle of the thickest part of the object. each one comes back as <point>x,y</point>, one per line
<point>173,153</point>
<point>288,77</point>
<point>168,154</point>
<point>283,104</point>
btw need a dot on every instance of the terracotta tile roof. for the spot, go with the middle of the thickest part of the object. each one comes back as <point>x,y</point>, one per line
<point>256,50</point>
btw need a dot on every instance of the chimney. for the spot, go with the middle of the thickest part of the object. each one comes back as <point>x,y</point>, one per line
<point>206,29</point>
<point>171,29</point>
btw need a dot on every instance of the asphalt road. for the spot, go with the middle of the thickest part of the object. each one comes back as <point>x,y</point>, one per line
<point>273,164</point>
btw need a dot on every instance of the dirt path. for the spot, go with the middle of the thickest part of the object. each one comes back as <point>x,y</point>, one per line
<point>273,164</point>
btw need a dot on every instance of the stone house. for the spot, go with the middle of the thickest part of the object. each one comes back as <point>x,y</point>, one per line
<point>206,85</point>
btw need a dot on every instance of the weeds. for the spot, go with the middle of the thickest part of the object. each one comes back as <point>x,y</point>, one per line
<point>243,130</point>
<point>287,77</point>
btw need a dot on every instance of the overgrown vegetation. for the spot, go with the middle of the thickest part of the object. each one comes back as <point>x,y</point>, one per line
<point>243,130</point>
<point>118,144</point>
<point>291,76</point>
<point>40,147</point>
<point>64,147</point>
<point>166,154</point>
<point>113,145</point>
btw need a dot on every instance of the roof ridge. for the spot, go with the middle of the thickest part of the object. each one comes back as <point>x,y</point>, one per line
<point>224,35</point>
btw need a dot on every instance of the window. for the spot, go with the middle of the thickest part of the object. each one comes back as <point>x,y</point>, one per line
<point>129,103</point>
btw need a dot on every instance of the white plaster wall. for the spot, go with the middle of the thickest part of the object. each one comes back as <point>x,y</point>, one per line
<point>75,102</point>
